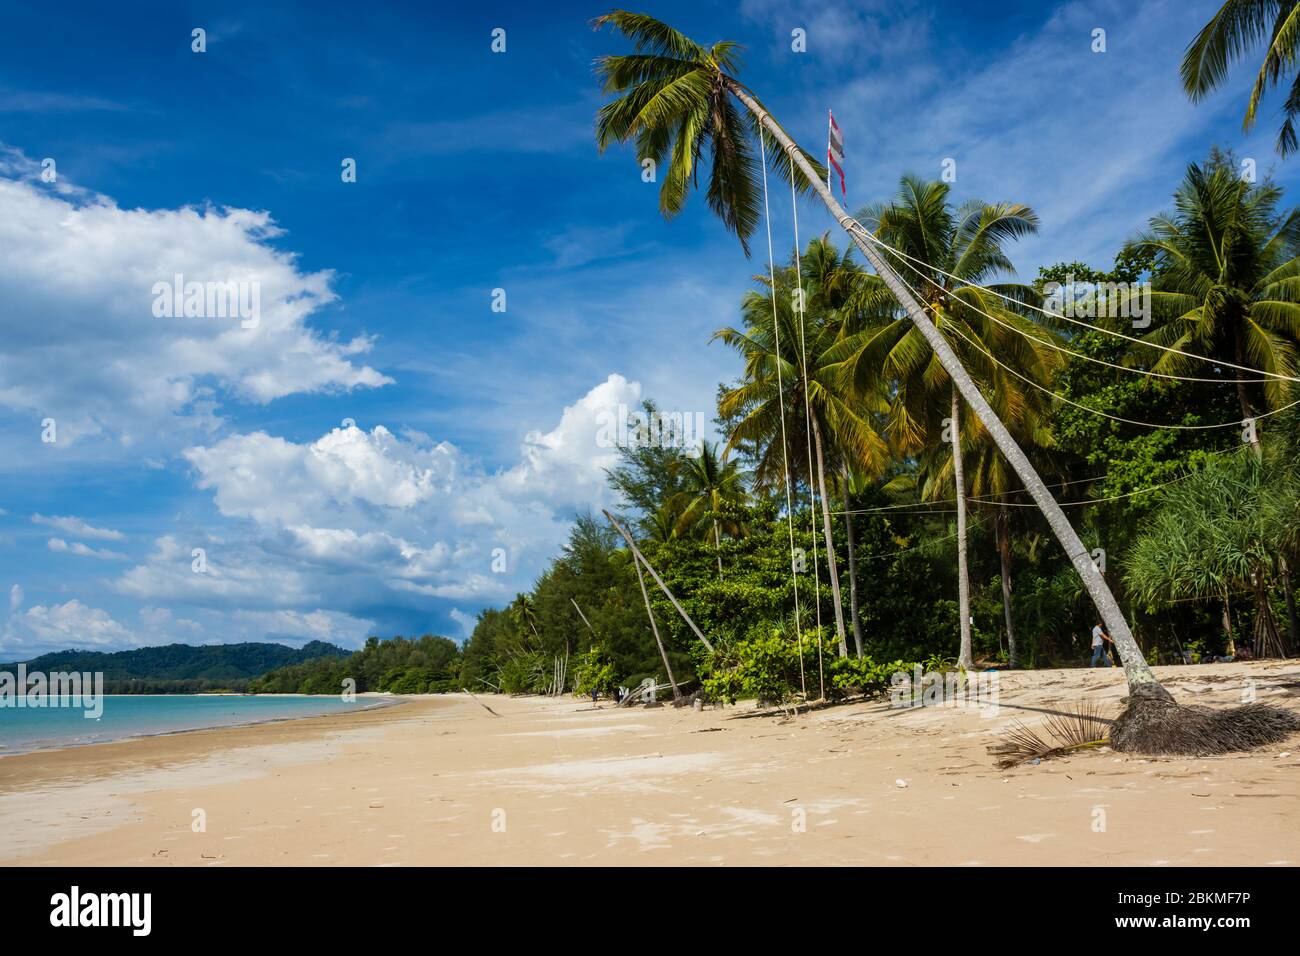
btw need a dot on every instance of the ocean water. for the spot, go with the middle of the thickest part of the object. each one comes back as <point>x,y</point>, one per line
<point>142,715</point>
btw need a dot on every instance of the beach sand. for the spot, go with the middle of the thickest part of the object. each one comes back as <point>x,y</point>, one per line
<point>440,780</point>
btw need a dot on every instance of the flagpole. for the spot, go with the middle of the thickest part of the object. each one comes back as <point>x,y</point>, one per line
<point>830,118</point>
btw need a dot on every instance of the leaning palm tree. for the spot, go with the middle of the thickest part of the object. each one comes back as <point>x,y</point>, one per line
<point>802,373</point>
<point>674,99</point>
<point>1227,280</point>
<point>709,484</point>
<point>1231,33</point>
<point>963,249</point>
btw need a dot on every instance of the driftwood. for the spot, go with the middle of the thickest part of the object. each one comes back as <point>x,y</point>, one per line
<point>560,674</point>
<point>637,555</point>
<point>647,686</point>
<point>480,703</point>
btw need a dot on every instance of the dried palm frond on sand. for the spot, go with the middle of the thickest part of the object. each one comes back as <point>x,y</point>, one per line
<point>1154,727</point>
<point>1083,727</point>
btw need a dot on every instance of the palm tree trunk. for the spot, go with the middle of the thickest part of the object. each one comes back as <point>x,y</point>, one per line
<point>1141,681</point>
<point>853,568</point>
<point>1268,642</point>
<point>717,544</point>
<point>831,567</point>
<point>963,579</point>
<point>1003,526</point>
<point>1288,592</point>
<point>1227,624</point>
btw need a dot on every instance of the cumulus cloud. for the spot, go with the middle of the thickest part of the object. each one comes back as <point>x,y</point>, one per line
<point>358,517</point>
<point>81,296</point>
<point>60,627</point>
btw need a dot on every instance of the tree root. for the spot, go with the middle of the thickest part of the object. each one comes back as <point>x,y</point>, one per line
<point>1159,726</point>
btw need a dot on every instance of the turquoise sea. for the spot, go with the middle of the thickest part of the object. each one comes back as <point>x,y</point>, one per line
<point>142,715</point>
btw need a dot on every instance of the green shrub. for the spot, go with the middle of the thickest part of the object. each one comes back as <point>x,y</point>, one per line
<point>765,665</point>
<point>595,671</point>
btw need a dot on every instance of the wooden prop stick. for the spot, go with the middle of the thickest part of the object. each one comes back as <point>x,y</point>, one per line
<point>636,553</point>
<point>655,627</point>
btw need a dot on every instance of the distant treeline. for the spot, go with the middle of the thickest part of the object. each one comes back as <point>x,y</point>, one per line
<point>428,665</point>
<point>138,685</point>
<point>182,668</point>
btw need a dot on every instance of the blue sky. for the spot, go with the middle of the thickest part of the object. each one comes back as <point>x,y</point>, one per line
<point>472,429</point>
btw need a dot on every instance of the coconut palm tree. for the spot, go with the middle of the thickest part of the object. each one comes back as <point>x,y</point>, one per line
<point>660,525</point>
<point>964,250</point>
<point>677,101</point>
<point>1231,33</point>
<point>992,481</point>
<point>853,481</point>
<point>523,612</point>
<point>801,373</point>
<point>709,483</point>
<point>1226,281</point>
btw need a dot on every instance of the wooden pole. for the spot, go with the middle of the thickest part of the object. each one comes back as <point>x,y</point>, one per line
<point>654,626</point>
<point>584,618</point>
<point>636,553</point>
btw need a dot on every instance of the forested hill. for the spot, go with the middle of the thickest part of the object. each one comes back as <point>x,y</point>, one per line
<point>183,666</point>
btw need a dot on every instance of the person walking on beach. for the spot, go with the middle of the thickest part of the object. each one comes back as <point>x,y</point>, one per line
<point>1099,650</point>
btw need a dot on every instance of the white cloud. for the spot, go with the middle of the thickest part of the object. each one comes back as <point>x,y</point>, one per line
<point>1094,142</point>
<point>83,550</point>
<point>466,621</point>
<point>234,574</point>
<point>360,517</point>
<point>70,524</point>
<point>73,624</point>
<point>63,626</point>
<point>272,480</point>
<point>81,297</point>
<point>15,597</point>
<point>319,625</point>
<point>161,621</point>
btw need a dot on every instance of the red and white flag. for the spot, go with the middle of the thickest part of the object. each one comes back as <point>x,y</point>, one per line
<point>835,154</point>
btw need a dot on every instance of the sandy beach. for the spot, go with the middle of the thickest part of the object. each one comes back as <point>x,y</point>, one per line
<point>440,780</point>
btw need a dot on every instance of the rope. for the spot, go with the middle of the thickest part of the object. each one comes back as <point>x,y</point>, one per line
<point>992,499</point>
<point>807,410</point>
<point>1089,358</point>
<point>1069,401</point>
<point>780,398</point>
<point>854,226</point>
